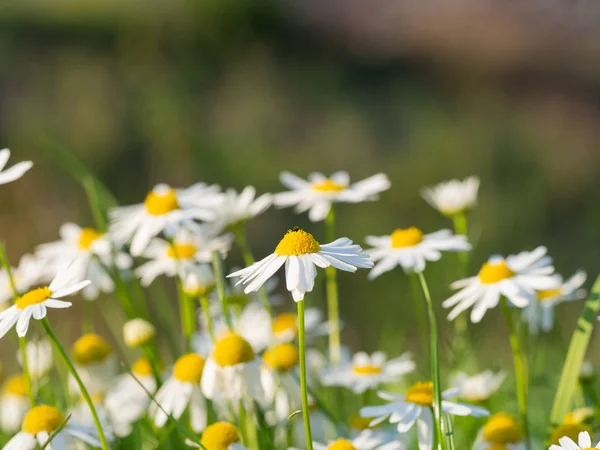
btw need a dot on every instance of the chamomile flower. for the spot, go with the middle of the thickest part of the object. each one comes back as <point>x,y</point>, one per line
<point>82,414</point>
<point>12,173</point>
<point>181,392</point>
<point>416,406</point>
<point>232,371</point>
<point>41,422</point>
<point>39,358</point>
<point>14,403</point>
<point>318,193</point>
<point>584,443</point>
<point>92,248</point>
<point>25,275</point>
<point>284,326</point>
<point>36,302</point>
<point>127,401</point>
<point>279,378</point>
<point>320,424</point>
<point>180,256</point>
<point>138,332</point>
<point>501,431</point>
<point>165,209</point>
<point>198,281</point>
<point>368,372</point>
<point>302,254</point>
<point>365,440</point>
<point>96,364</point>
<point>453,197</point>
<point>569,430</point>
<point>236,208</point>
<point>517,278</point>
<point>479,387</point>
<point>539,314</point>
<point>410,249</point>
<point>389,438</point>
<point>221,436</point>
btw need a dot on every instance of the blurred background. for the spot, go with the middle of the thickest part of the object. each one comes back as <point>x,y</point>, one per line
<point>235,91</point>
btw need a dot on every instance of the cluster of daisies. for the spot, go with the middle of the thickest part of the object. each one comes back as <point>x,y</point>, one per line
<point>225,363</point>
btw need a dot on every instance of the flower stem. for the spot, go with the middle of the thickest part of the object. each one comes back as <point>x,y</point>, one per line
<point>209,322</point>
<point>84,392</point>
<point>220,281</point>
<point>435,365</point>
<point>419,310</point>
<point>461,322</point>
<point>520,370</point>
<point>187,313</point>
<point>240,237</point>
<point>333,311</point>
<point>303,388</point>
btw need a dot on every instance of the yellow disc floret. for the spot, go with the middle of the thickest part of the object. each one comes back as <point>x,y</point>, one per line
<point>421,394</point>
<point>341,444</point>
<point>493,272</point>
<point>181,251</point>
<point>570,430</point>
<point>87,237</point>
<point>188,368</point>
<point>42,418</point>
<point>219,436</point>
<point>328,185</point>
<point>282,357</point>
<point>408,237</point>
<point>16,385</point>
<point>285,322</point>
<point>232,350</point>
<point>91,348</point>
<point>359,423</point>
<point>34,297</point>
<point>366,370</point>
<point>159,203</point>
<point>548,294</point>
<point>142,368</point>
<point>297,242</point>
<point>502,429</point>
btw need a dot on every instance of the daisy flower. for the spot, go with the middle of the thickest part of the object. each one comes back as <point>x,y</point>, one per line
<point>569,430</point>
<point>302,254</point>
<point>87,245</point>
<point>539,314</point>
<point>181,392</point>
<point>365,440</point>
<point>25,275</point>
<point>410,249</point>
<point>390,439</point>
<point>138,332</point>
<point>584,443</point>
<point>43,420</point>
<point>284,327</point>
<point>368,372</point>
<point>416,406</point>
<point>82,414</point>
<point>279,378</point>
<point>180,256</point>
<point>501,431</point>
<point>318,193</point>
<point>14,403</point>
<point>95,362</point>
<point>232,371</point>
<point>36,302</point>
<point>517,278</point>
<point>453,197</point>
<point>479,387</point>
<point>39,358</point>
<point>165,209</point>
<point>13,173</point>
<point>234,209</point>
<point>320,425</point>
<point>199,280</point>
<point>221,436</point>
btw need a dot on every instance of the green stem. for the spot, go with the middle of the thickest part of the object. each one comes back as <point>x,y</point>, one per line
<point>240,237</point>
<point>419,310</point>
<point>88,317</point>
<point>461,322</point>
<point>303,388</point>
<point>333,310</point>
<point>209,322</point>
<point>188,314</point>
<point>220,280</point>
<point>243,422</point>
<point>435,365</point>
<point>84,392</point>
<point>151,353</point>
<point>520,370</point>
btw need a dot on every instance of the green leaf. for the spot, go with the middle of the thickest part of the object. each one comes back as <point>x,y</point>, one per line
<point>579,343</point>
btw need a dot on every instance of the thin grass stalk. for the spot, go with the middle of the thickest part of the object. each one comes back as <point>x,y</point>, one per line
<point>460,341</point>
<point>303,384</point>
<point>188,314</point>
<point>209,322</point>
<point>420,313</point>
<point>434,365</point>
<point>333,309</point>
<point>220,281</point>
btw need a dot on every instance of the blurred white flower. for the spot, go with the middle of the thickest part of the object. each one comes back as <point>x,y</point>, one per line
<point>138,332</point>
<point>365,440</point>
<point>14,403</point>
<point>13,173</point>
<point>39,358</point>
<point>236,208</point>
<point>318,193</point>
<point>584,443</point>
<point>95,362</point>
<point>479,387</point>
<point>279,378</point>
<point>221,436</point>
<point>501,430</point>
<point>199,280</point>
<point>453,197</point>
<point>26,275</point>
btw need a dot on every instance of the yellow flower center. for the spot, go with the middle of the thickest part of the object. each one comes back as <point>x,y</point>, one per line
<point>421,394</point>
<point>188,368</point>
<point>570,430</point>
<point>502,429</point>
<point>219,436</point>
<point>341,444</point>
<point>91,348</point>
<point>33,297</point>
<point>408,237</point>
<point>285,322</point>
<point>360,423</point>
<point>297,242</point>
<point>16,385</point>
<point>158,204</point>
<point>491,273</point>
<point>87,238</point>
<point>282,357</point>
<point>142,368</point>
<point>232,350</point>
<point>366,370</point>
<point>548,294</point>
<point>328,186</point>
<point>580,415</point>
<point>42,418</point>
<point>181,251</point>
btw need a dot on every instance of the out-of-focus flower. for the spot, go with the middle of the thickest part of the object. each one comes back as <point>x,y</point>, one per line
<point>479,387</point>
<point>14,403</point>
<point>452,197</point>
<point>570,430</point>
<point>318,193</point>
<point>39,358</point>
<point>501,430</point>
<point>26,275</point>
<point>199,280</point>
<point>236,208</point>
<point>221,436</point>
<point>365,440</point>
<point>279,378</point>
<point>95,362</point>
<point>138,332</point>
<point>12,173</point>
<point>586,372</point>
<point>584,442</point>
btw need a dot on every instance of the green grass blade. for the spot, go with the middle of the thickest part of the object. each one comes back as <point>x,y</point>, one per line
<point>575,356</point>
